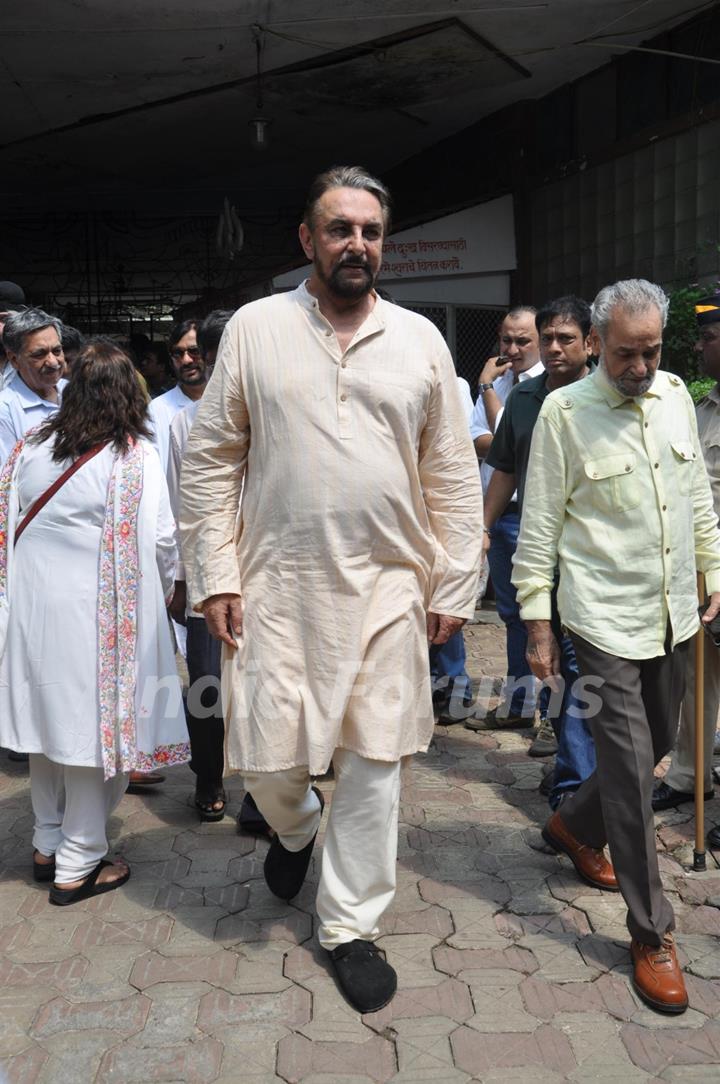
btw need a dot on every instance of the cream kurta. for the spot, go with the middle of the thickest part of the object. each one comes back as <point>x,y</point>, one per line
<point>362,507</point>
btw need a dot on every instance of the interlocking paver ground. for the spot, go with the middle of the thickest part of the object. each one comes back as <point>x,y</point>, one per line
<point>510,968</point>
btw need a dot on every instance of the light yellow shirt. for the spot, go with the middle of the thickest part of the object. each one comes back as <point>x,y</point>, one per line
<point>618,496</point>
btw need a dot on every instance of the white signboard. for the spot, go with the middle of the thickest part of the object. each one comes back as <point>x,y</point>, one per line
<point>480,239</point>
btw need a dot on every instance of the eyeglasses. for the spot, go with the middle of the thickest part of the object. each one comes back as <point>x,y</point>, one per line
<point>178,353</point>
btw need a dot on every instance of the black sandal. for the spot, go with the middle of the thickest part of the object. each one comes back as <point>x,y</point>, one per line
<point>205,798</point>
<point>61,897</point>
<point>43,871</point>
<point>363,974</point>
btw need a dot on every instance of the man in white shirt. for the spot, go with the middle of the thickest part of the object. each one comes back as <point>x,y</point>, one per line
<point>191,373</point>
<point>519,360</point>
<point>203,707</point>
<point>32,341</point>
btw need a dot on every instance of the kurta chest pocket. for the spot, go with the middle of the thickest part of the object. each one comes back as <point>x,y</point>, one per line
<point>684,456</point>
<point>613,482</point>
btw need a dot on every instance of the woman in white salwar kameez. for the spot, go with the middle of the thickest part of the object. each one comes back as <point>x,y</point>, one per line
<point>88,682</point>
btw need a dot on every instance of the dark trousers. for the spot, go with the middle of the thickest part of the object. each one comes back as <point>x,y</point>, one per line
<point>634,728</point>
<point>203,709</point>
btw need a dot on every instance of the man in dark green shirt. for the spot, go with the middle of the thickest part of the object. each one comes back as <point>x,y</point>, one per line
<point>563,328</point>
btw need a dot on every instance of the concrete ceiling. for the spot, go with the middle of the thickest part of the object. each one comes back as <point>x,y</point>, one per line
<point>144,106</point>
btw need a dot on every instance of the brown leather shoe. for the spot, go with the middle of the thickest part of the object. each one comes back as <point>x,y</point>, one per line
<point>590,862</point>
<point>145,779</point>
<point>657,977</point>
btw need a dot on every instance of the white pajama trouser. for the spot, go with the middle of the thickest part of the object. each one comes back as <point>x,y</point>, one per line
<point>72,806</point>
<point>357,879</point>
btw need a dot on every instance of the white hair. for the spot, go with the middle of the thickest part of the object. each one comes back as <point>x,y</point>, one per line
<point>24,323</point>
<point>636,296</point>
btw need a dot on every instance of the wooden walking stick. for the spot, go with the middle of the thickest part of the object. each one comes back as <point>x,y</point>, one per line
<point>699,852</point>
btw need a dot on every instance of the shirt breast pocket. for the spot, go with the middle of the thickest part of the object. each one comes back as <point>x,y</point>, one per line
<point>613,483</point>
<point>684,456</point>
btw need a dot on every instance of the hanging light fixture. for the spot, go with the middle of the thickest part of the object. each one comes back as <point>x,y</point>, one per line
<point>259,125</point>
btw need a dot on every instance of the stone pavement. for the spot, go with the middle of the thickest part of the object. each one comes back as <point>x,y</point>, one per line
<point>510,969</point>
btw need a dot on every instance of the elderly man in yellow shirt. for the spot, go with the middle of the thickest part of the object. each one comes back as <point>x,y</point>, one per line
<point>618,496</point>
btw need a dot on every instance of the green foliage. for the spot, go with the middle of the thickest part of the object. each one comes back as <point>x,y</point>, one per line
<point>699,388</point>
<point>680,334</point>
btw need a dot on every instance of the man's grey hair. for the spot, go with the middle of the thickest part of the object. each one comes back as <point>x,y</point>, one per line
<point>347,177</point>
<point>21,324</point>
<point>635,296</point>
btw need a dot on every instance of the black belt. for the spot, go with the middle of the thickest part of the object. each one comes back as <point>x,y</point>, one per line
<point>512,507</point>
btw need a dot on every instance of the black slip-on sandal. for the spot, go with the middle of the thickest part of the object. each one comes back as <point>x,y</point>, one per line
<point>284,870</point>
<point>61,897</point>
<point>366,979</point>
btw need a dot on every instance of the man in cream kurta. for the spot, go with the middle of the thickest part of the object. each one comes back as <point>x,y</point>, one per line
<point>358,540</point>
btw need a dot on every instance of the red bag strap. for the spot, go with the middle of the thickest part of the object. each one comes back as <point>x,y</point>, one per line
<point>57,484</point>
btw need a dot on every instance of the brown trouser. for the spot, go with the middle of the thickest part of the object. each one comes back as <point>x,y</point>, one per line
<point>633,730</point>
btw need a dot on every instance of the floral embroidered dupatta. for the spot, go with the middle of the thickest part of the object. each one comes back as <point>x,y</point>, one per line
<point>117,610</point>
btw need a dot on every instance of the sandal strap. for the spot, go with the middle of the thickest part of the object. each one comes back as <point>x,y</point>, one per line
<point>209,795</point>
<point>90,880</point>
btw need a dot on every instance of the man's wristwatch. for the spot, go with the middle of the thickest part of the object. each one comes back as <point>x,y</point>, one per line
<point>485,387</point>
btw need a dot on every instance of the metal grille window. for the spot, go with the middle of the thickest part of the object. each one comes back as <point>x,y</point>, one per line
<point>470,332</point>
<point>436,314</point>
<point>475,341</point>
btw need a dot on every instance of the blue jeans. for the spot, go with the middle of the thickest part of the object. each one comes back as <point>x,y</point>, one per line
<point>503,542</point>
<point>447,670</point>
<point>575,759</point>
